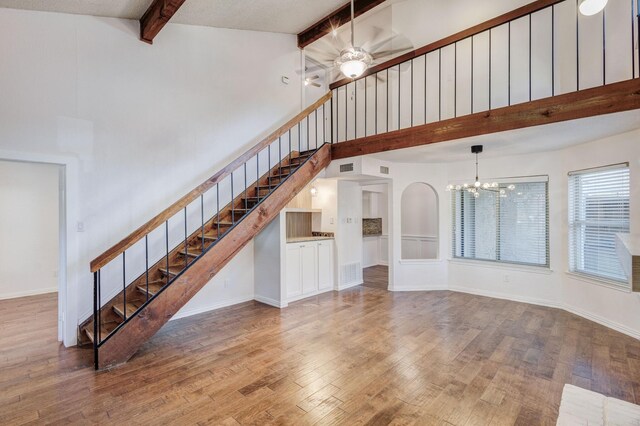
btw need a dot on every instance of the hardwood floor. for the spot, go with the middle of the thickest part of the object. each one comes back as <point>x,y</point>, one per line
<point>376,277</point>
<point>363,355</point>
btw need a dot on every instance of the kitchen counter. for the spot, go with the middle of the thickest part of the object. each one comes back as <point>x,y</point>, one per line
<point>305,239</point>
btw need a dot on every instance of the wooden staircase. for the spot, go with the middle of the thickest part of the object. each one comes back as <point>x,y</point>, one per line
<point>144,305</point>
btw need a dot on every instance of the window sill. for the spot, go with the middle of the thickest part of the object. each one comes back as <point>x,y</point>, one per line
<point>419,261</point>
<point>500,265</point>
<point>602,282</point>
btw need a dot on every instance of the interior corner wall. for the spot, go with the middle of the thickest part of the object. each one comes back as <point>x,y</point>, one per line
<point>146,123</point>
<point>349,234</point>
<point>29,228</point>
<point>612,307</point>
<point>427,274</point>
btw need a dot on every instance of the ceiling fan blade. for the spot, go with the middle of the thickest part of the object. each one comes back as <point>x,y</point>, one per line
<point>311,83</point>
<point>397,41</point>
<point>392,52</point>
<point>315,77</point>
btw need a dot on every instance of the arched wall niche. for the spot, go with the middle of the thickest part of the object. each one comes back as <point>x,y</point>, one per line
<point>419,222</point>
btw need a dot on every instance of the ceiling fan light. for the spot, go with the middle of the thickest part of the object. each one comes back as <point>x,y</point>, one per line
<point>591,7</point>
<point>354,62</point>
<point>353,69</point>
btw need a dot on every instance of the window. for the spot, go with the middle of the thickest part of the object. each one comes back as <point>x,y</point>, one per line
<point>513,228</point>
<point>598,210</point>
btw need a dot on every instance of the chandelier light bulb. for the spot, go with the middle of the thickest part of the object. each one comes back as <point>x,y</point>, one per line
<point>591,7</point>
<point>477,184</point>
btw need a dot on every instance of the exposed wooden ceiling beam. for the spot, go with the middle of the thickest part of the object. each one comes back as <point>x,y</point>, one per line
<point>334,20</point>
<point>156,17</point>
<point>616,97</point>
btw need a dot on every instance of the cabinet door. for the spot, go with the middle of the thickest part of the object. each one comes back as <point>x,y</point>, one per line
<point>309,268</point>
<point>294,271</point>
<point>325,265</point>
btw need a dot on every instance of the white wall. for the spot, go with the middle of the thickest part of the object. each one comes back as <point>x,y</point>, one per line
<point>146,124</point>
<point>551,287</point>
<point>29,228</point>
<point>349,233</point>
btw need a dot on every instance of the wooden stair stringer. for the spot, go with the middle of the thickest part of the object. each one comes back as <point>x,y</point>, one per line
<point>125,343</point>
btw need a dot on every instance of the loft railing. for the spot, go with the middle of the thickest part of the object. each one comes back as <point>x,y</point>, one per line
<point>225,194</point>
<point>543,49</point>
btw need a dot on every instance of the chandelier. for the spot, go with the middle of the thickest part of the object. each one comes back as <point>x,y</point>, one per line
<point>478,187</point>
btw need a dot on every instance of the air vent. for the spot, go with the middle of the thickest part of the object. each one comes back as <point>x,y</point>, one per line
<point>346,168</point>
<point>351,273</point>
<point>384,170</point>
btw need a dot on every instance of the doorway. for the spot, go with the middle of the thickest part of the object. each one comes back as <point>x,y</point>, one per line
<point>32,235</point>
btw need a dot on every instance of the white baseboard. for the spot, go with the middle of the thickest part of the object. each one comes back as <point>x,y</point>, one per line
<point>603,321</point>
<point>551,304</point>
<point>349,285</point>
<point>382,263</point>
<point>271,302</point>
<point>505,296</point>
<point>218,305</point>
<point>28,293</point>
<point>409,288</point>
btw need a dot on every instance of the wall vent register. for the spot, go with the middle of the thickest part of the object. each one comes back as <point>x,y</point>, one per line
<point>346,167</point>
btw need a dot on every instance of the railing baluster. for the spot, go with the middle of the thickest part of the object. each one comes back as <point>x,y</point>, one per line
<point>258,175</point>
<point>577,45</point>
<point>472,45</point>
<point>99,336</point>
<point>440,84</point>
<point>553,50</point>
<point>346,113</point>
<point>124,284</point>
<point>387,100</point>
<point>186,246</point>
<point>217,212</point>
<point>411,98</point>
<point>269,168</point>
<point>316,121</point>
<point>365,105</point>
<point>246,205</point>
<point>146,262</point>
<point>233,211</point>
<point>166,233</point>
<point>280,160</point>
<point>324,124</point>
<point>202,221</point>
<point>604,46</point>
<point>509,64</point>
<point>530,56</point>
<point>455,79</point>
<point>308,134</point>
<point>355,109</point>
<point>490,31</point>
<point>95,319</point>
<point>399,96</point>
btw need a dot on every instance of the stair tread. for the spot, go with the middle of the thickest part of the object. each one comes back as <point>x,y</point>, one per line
<point>131,308</point>
<point>207,236</point>
<point>105,330</point>
<point>173,269</point>
<point>192,252</point>
<point>154,287</point>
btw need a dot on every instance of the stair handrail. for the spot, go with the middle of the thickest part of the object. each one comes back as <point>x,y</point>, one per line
<point>118,248</point>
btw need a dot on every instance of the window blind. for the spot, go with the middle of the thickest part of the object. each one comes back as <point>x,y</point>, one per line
<point>598,209</point>
<point>512,228</point>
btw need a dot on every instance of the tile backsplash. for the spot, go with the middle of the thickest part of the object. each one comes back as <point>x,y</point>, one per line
<point>372,226</point>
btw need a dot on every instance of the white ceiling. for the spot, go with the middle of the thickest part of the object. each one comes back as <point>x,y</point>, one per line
<point>282,16</point>
<point>550,137</point>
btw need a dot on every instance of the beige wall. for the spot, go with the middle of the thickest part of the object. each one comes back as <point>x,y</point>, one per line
<point>29,226</point>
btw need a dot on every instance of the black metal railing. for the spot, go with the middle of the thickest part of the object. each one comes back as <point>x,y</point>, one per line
<point>226,195</point>
<point>537,54</point>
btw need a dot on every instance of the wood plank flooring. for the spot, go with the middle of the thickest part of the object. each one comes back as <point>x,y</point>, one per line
<point>361,356</point>
<point>376,277</point>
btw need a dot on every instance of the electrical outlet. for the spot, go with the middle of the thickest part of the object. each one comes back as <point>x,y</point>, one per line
<point>331,221</point>
<point>80,226</point>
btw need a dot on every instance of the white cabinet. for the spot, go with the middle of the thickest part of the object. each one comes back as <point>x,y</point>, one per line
<point>293,272</point>
<point>309,268</point>
<point>325,265</point>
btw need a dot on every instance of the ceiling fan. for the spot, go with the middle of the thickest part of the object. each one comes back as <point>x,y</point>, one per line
<point>352,61</point>
<point>310,81</point>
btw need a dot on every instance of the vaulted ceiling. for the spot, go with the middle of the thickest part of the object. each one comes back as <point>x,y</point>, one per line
<point>282,16</point>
